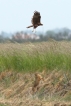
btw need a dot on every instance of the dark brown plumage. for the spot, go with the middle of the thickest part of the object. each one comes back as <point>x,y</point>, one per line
<point>36,20</point>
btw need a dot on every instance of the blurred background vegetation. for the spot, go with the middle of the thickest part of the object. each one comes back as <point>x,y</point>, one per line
<point>24,36</point>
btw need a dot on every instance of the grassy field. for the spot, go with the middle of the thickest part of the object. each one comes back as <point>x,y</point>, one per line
<point>53,57</point>
<point>35,56</point>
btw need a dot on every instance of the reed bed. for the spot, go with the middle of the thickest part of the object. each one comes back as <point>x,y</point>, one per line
<point>30,57</point>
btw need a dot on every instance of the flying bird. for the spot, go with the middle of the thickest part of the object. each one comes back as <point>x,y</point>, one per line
<point>36,20</point>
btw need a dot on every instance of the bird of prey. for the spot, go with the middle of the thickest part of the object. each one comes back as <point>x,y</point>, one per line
<point>36,20</point>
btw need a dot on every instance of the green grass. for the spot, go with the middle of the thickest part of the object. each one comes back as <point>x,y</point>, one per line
<point>26,62</point>
<point>36,58</point>
<point>3,105</point>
